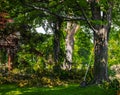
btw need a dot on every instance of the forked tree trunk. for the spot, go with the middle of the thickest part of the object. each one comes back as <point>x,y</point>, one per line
<point>69,44</point>
<point>101,33</point>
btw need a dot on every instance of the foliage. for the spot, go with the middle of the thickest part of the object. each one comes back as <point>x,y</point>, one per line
<point>82,54</point>
<point>113,84</point>
<point>3,56</point>
<point>114,47</point>
<point>23,79</point>
<point>36,53</point>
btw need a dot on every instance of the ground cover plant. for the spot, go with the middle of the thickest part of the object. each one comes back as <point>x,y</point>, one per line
<point>71,89</point>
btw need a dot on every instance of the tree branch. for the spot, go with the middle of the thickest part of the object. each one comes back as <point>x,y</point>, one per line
<point>46,10</point>
<point>86,18</point>
<point>109,15</point>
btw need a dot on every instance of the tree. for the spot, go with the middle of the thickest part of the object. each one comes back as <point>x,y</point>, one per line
<point>101,34</point>
<point>69,44</point>
<point>101,13</point>
<point>56,25</point>
<point>9,37</point>
<point>97,14</point>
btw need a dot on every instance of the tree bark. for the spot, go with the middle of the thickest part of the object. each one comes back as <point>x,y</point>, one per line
<point>101,55</point>
<point>56,40</point>
<point>69,46</point>
<point>56,47</point>
<point>9,60</point>
<point>101,34</point>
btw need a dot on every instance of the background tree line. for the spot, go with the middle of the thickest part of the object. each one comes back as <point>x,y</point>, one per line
<point>80,29</point>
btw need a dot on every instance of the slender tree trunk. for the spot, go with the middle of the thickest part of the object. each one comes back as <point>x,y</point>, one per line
<point>9,60</point>
<point>56,40</point>
<point>71,30</point>
<point>56,47</point>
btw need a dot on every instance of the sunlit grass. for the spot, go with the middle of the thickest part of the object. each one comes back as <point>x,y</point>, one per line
<point>60,90</point>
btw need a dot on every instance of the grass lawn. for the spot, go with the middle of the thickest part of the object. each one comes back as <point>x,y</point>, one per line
<point>72,89</point>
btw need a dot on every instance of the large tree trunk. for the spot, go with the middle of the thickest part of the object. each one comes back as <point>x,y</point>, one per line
<point>101,29</point>
<point>69,46</point>
<point>101,55</point>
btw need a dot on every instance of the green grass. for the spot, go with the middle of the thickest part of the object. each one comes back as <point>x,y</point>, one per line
<point>60,90</point>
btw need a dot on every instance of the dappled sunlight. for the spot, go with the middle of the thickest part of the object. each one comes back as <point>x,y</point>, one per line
<point>13,93</point>
<point>14,90</point>
<point>72,89</point>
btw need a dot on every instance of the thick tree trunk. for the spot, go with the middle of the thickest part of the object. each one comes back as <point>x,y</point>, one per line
<point>71,30</point>
<point>101,55</point>
<point>101,34</point>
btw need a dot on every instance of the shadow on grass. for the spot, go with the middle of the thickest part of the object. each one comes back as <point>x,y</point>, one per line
<point>60,90</point>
